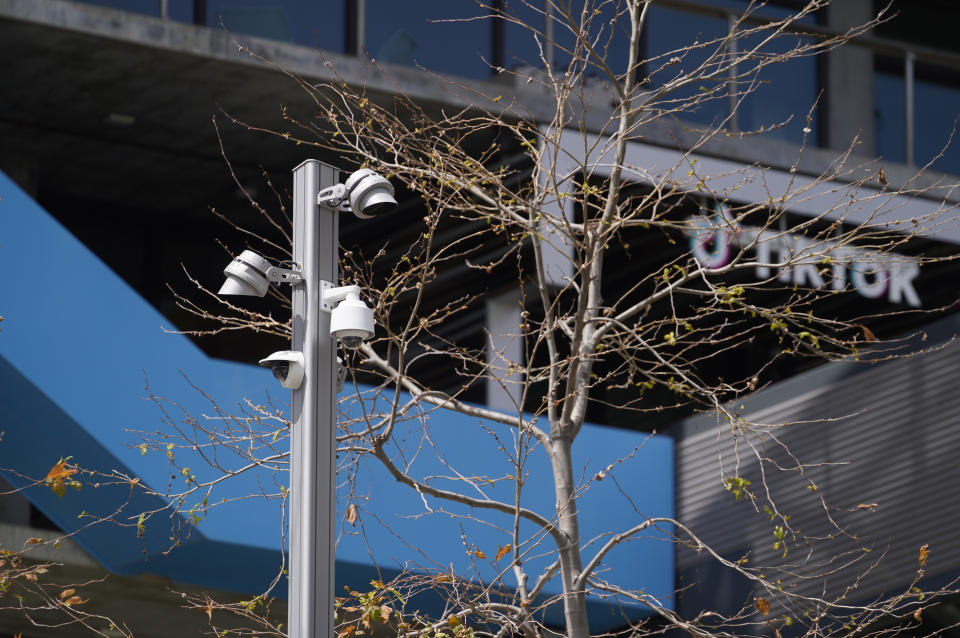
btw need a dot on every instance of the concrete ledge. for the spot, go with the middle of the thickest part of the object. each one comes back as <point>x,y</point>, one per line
<point>15,539</point>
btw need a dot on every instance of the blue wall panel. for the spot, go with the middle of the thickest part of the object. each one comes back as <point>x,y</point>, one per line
<point>78,347</point>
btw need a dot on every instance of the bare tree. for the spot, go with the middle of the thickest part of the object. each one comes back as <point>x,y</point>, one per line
<point>735,271</point>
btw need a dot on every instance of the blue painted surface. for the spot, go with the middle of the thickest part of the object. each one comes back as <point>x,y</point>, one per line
<point>76,346</point>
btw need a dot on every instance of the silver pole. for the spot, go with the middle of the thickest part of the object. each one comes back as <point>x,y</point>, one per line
<point>908,72</point>
<point>313,410</point>
<point>548,27</point>
<point>361,26</point>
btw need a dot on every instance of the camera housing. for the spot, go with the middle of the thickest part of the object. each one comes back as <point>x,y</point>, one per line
<point>351,320</point>
<point>250,274</point>
<point>287,366</point>
<point>246,275</point>
<point>371,194</point>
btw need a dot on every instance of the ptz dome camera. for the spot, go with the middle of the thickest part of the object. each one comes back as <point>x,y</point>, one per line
<point>351,321</point>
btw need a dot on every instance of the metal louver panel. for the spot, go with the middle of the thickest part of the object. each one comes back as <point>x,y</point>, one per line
<point>885,433</point>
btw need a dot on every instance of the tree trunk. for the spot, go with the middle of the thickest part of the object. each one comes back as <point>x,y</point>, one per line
<point>574,601</point>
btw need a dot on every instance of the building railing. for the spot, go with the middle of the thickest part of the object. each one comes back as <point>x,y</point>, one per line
<point>350,38</point>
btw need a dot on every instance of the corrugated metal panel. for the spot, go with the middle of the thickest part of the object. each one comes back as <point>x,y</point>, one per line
<point>885,433</point>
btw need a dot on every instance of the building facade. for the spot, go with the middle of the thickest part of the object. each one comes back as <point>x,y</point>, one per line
<point>115,133</point>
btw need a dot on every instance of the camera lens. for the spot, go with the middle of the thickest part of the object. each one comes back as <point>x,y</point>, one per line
<point>351,342</point>
<point>281,370</point>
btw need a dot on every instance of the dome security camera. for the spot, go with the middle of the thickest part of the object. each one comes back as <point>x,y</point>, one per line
<point>370,193</point>
<point>246,275</point>
<point>351,320</point>
<point>287,366</point>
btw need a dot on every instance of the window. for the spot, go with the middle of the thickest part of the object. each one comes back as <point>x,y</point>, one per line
<point>314,24</point>
<point>447,36</point>
<point>785,91</point>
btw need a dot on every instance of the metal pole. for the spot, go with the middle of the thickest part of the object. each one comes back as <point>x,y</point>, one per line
<point>908,72</point>
<point>313,410</point>
<point>548,27</point>
<point>732,98</point>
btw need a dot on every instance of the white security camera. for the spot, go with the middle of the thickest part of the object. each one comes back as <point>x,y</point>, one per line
<point>250,274</point>
<point>246,275</point>
<point>370,193</point>
<point>351,321</point>
<point>287,366</point>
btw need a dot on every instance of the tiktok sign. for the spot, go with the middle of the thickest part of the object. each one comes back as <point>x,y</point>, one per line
<point>803,262</point>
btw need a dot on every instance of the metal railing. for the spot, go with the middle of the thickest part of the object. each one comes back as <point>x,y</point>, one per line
<point>909,53</point>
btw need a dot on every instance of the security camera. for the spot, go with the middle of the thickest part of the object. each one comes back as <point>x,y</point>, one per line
<point>370,193</point>
<point>250,274</point>
<point>351,321</point>
<point>246,275</point>
<point>287,367</point>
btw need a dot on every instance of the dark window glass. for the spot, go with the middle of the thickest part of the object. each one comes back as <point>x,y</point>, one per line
<point>180,10</point>
<point>447,36</point>
<point>667,32</point>
<point>315,23</point>
<point>936,106</point>
<point>608,26</point>
<point>520,40</point>
<point>889,112</point>
<point>936,97</point>
<point>778,102</point>
<point>786,91</point>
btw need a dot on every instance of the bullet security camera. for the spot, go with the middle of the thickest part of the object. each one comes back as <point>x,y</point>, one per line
<point>250,274</point>
<point>371,194</point>
<point>287,367</point>
<point>351,321</point>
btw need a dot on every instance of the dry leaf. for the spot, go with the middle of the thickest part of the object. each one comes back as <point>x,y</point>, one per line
<point>75,600</point>
<point>867,506</point>
<point>922,559</point>
<point>476,552</point>
<point>66,593</point>
<point>762,605</point>
<point>503,551</point>
<point>385,611</point>
<point>352,514</point>
<point>349,629</point>
<point>868,333</point>
<point>209,609</point>
<point>56,475</point>
<point>33,541</point>
<point>918,615</point>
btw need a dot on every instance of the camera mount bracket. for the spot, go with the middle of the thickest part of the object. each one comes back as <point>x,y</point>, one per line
<point>278,275</point>
<point>335,197</point>
<point>331,295</point>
